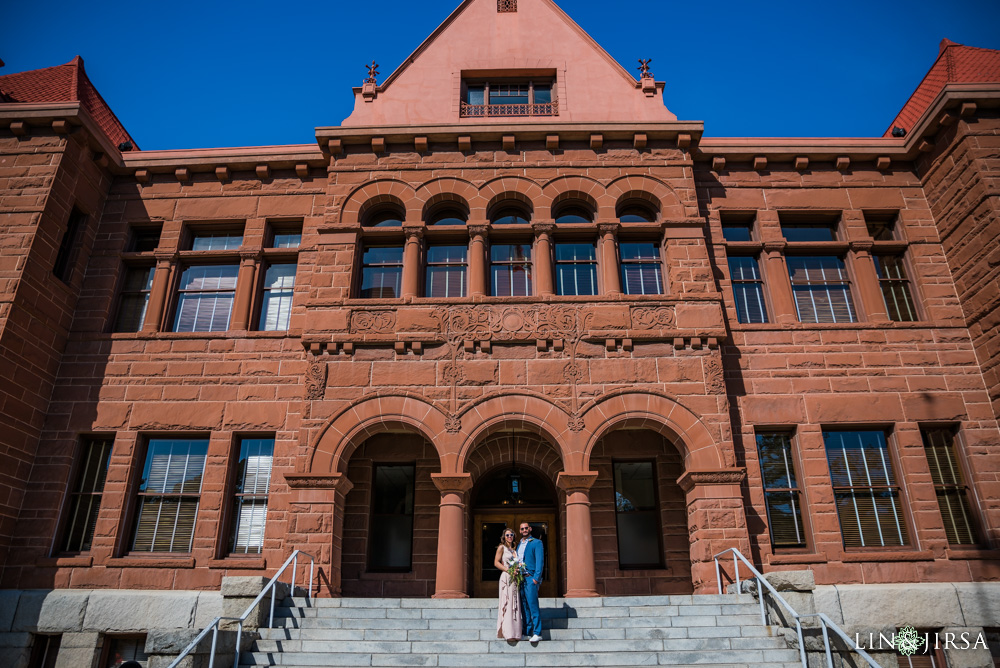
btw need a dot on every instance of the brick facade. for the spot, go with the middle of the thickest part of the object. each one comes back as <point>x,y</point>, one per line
<point>581,382</point>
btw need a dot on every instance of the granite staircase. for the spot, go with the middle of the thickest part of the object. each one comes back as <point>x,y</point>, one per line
<point>720,631</point>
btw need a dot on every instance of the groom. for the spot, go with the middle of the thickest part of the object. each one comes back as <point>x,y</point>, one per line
<point>531,554</point>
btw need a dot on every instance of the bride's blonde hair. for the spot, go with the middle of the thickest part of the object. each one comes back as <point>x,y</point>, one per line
<point>503,543</point>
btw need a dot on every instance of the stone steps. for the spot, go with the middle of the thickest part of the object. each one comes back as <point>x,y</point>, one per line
<point>615,631</point>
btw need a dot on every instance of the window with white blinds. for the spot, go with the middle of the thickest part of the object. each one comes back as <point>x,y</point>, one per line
<point>276,300</point>
<point>253,479</point>
<point>205,298</point>
<point>895,288</point>
<point>781,489</point>
<point>86,494</point>
<point>641,268</point>
<point>576,269</point>
<point>446,271</point>
<point>822,289</point>
<point>949,483</point>
<point>748,288</point>
<point>169,495</point>
<point>867,494</point>
<point>510,270</point>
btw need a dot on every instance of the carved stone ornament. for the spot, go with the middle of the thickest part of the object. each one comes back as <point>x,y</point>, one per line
<point>452,373</point>
<point>691,479</point>
<point>573,372</point>
<point>659,317</point>
<point>452,424</point>
<point>715,382</point>
<point>576,422</point>
<point>373,322</point>
<point>513,323</point>
<point>316,380</point>
<point>576,482</point>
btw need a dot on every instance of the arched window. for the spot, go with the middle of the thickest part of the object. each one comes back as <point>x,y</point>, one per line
<point>510,215</point>
<point>574,212</point>
<point>636,212</point>
<point>447,216</point>
<point>384,216</point>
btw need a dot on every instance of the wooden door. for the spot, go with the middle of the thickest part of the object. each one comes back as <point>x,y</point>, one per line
<point>487,530</point>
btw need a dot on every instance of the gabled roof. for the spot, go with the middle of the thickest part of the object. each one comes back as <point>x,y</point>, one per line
<point>461,8</point>
<point>955,63</point>
<point>64,83</point>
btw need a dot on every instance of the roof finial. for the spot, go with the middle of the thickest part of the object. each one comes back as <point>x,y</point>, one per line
<point>372,72</point>
<point>644,67</point>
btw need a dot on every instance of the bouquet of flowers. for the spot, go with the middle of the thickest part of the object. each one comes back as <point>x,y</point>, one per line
<point>517,572</point>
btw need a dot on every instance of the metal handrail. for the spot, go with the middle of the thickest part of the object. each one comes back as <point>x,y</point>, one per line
<point>292,560</point>
<point>825,622</point>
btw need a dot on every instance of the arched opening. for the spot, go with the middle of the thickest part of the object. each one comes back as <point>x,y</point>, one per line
<point>636,211</point>
<point>639,516</point>
<point>449,213</point>
<point>513,482</point>
<point>389,545</point>
<point>510,213</point>
<point>387,215</point>
<point>573,212</point>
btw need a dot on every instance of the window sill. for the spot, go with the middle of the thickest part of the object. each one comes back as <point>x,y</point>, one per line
<point>783,559</point>
<point>972,552</point>
<point>239,563</point>
<point>886,555</point>
<point>75,561</point>
<point>150,562</point>
<point>228,334</point>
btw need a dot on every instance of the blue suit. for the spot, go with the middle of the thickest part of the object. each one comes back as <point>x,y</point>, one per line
<point>534,563</point>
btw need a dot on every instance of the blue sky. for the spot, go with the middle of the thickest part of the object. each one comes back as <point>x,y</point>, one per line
<point>212,74</point>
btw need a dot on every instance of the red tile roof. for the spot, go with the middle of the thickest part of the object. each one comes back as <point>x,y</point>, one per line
<point>955,63</point>
<point>64,83</point>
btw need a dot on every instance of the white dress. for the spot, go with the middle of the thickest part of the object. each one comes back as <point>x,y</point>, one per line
<point>509,612</point>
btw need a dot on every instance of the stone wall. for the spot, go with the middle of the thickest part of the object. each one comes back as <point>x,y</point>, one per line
<point>961,185</point>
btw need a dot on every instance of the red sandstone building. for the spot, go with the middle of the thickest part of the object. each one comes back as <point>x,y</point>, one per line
<point>500,273</point>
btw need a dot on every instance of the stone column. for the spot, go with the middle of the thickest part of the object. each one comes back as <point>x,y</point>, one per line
<point>775,275</point>
<point>450,581</point>
<point>543,258</point>
<point>411,261</point>
<point>581,580</point>
<point>243,298</point>
<point>317,525</point>
<point>609,258</point>
<point>158,293</point>
<point>478,264</point>
<point>872,300</point>
<point>717,520</point>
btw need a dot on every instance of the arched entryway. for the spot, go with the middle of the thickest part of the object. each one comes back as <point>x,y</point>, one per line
<point>513,482</point>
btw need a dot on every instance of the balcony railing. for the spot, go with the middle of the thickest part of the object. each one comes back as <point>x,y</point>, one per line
<point>502,110</point>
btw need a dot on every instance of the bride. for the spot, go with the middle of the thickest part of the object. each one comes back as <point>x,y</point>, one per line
<point>509,614</point>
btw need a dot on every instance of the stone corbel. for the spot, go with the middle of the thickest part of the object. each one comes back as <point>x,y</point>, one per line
<point>692,479</point>
<point>452,483</point>
<point>576,482</point>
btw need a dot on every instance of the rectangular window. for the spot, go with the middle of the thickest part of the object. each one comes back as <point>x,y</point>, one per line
<point>276,300</point>
<point>390,546</point>
<point>169,495</point>
<point>144,239</point>
<point>822,289</point>
<point>134,298</point>
<point>576,269</point>
<point>205,241</point>
<point>44,650</point>
<point>748,289</point>
<point>253,479</point>
<point>446,269</point>
<point>69,246</point>
<point>641,268</point>
<point>510,270</point>
<point>125,648</point>
<point>205,298</point>
<point>781,489</point>
<point>809,232</point>
<point>637,519</point>
<point>382,272</point>
<point>737,226</point>
<point>505,97</point>
<point>86,494</point>
<point>949,483</point>
<point>868,497</point>
<point>895,288</point>
<point>881,226</point>
<point>286,239</point>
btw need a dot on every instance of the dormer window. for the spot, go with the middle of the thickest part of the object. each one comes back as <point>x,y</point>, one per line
<point>508,97</point>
